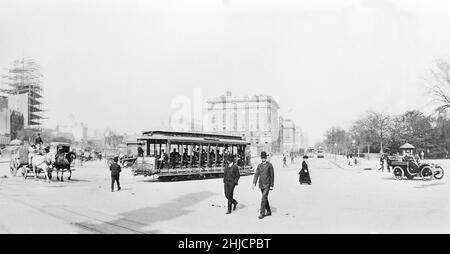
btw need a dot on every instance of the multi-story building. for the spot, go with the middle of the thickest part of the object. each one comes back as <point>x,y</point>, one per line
<point>25,90</point>
<point>11,121</point>
<point>5,127</point>
<point>289,136</point>
<point>254,117</point>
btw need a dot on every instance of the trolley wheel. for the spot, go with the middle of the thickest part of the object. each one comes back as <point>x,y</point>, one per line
<point>427,173</point>
<point>398,173</point>
<point>13,167</point>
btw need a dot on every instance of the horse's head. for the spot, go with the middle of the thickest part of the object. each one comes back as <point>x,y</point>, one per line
<point>70,156</point>
<point>49,158</point>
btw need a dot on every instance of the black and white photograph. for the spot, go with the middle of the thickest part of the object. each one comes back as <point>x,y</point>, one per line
<point>219,117</point>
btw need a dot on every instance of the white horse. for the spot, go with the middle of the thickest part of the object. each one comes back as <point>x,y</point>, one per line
<point>44,162</point>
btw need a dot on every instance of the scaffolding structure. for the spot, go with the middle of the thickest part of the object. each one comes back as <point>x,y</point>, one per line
<point>24,77</point>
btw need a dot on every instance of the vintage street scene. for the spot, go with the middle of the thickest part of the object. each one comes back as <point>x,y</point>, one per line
<point>224,117</point>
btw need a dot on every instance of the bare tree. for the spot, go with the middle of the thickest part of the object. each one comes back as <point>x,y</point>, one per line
<point>439,84</point>
<point>379,123</point>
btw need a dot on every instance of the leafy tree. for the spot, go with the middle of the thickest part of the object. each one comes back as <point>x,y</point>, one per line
<point>113,140</point>
<point>338,139</point>
<point>440,137</point>
<point>371,129</point>
<point>362,133</point>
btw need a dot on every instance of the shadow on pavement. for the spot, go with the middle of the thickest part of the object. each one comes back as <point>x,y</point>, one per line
<point>428,185</point>
<point>136,220</point>
<point>76,180</point>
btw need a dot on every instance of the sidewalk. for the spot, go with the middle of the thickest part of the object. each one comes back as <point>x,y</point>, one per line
<point>362,164</point>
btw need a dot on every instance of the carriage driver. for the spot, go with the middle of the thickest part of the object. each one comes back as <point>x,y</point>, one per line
<point>38,141</point>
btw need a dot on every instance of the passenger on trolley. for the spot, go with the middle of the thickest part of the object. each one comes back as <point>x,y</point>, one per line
<point>174,158</point>
<point>185,158</point>
<point>203,158</point>
<point>162,159</point>
<point>212,157</point>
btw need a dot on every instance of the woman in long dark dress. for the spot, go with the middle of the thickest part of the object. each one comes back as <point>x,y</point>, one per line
<point>304,172</point>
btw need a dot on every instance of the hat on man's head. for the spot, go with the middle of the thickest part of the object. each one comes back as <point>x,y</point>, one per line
<point>263,155</point>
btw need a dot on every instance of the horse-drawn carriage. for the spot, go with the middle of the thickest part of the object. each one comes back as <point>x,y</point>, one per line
<point>407,166</point>
<point>109,155</point>
<point>124,154</point>
<point>57,156</point>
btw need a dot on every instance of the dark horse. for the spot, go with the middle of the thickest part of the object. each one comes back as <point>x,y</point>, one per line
<point>63,162</point>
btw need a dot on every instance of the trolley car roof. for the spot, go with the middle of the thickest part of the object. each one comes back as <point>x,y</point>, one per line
<point>191,134</point>
<point>206,139</point>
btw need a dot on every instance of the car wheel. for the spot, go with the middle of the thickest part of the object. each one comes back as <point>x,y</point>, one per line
<point>439,174</point>
<point>427,173</point>
<point>398,173</point>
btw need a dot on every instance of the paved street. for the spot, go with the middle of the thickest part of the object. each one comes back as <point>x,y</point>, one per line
<point>342,199</point>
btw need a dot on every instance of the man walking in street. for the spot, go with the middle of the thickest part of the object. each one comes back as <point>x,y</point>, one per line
<point>115,173</point>
<point>284,161</point>
<point>230,179</point>
<point>265,173</point>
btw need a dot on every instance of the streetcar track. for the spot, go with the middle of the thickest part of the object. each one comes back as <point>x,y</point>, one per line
<point>336,164</point>
<point>103,221</point>
<point>82,225</point>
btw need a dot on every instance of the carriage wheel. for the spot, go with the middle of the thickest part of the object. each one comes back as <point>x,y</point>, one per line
<point>439,174</point>
<point>13,167</point>
<point>427,173</point>
<point>398,173</point>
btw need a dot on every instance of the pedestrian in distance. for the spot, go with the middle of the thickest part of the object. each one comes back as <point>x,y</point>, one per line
<point>382,159</point>
<point>115,173</point>
<point>81,157</point>
<point>304,172</point>
<point>265,174</point>
<point>284,161</point>
<point>230,179</point>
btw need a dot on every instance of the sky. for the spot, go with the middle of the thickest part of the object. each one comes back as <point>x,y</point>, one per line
<point>121,64</point>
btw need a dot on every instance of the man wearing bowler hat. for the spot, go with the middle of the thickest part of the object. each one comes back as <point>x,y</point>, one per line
<point>264,172</point>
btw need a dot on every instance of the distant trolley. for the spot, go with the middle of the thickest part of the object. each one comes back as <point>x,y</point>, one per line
<point>196,155</point>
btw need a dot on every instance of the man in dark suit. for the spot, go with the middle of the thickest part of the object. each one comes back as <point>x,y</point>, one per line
<point>265,173</point>
<point>115,173</point>
<point>230,179</point>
